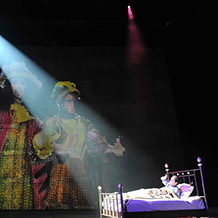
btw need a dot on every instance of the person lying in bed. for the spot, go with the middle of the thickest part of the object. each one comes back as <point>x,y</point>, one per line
<point>171,185</point>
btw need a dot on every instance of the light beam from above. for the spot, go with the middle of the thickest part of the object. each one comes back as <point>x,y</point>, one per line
<point>130,14</point>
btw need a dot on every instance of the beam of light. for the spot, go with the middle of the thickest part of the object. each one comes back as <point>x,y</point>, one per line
<point>136,60</point>
<point>38,101</point>
<point>34,75</point>
<point>130,14</point>
<point>136,49</point>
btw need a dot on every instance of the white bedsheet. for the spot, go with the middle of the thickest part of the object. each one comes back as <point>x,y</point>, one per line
<point>138,204</point>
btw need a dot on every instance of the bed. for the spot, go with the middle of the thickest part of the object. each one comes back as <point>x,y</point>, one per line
<point>157,202</point>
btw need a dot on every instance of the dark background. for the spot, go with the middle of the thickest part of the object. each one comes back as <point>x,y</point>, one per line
<point>186,33</point>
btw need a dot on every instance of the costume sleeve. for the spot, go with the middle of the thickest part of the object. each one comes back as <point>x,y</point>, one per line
<point>96,143</point>
<point>43,140</point>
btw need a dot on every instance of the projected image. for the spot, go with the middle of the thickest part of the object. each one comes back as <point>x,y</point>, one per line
<point>17,128</point>
<point>79,117</point>
<point>67,147</point>
<point>55,163</point>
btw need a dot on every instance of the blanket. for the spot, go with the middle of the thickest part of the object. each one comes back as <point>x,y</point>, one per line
<point>149,193</point>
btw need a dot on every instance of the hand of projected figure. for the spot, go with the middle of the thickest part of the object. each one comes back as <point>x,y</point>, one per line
<point>117,149</point>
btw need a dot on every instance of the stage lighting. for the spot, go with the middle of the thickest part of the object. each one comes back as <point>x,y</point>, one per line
<point>130,14</point>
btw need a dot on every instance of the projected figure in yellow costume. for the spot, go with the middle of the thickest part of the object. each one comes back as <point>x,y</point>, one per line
<point>69,149</point>
<point>17,128</point>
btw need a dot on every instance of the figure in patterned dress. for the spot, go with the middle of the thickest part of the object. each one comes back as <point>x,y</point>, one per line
<point>17,129</point>
<point>68,152</point>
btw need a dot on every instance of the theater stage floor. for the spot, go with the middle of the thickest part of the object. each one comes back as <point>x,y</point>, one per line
<point>51,214</point>
<point>68,214</point>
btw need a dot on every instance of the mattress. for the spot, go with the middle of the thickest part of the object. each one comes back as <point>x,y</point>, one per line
<point>145,205</point>
<point>142,205</point>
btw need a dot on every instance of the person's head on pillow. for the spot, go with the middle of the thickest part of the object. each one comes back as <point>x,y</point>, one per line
<point>174,181</point>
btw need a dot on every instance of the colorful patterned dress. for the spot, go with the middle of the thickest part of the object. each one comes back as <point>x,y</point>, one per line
<point>73,152</point>
<point>17,129</point>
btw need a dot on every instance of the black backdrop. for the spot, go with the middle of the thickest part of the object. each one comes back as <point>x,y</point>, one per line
<point>187,39</point>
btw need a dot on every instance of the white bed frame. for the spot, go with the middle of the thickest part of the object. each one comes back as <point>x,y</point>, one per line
<point>187,176</point>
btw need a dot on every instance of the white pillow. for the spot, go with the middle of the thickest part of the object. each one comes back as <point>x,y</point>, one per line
<point>186,190</point>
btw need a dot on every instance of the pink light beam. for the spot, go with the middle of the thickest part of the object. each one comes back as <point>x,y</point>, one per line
<point>130,14</point>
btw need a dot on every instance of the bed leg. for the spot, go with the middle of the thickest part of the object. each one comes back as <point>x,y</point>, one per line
<point>204,192</point>
<point>100,201</point>
<point>120,186</point>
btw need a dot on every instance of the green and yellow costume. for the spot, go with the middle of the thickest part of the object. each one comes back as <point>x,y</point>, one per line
<point>66,151</point>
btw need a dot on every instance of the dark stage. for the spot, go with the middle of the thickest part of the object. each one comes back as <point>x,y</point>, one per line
<point>159,97</point>
<point>51,214</point>
<point>67,214</point>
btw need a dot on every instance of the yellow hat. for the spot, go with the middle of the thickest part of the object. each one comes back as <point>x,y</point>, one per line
<point>61,89</point>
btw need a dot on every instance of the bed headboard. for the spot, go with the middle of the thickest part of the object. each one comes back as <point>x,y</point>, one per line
<point>193,177</point>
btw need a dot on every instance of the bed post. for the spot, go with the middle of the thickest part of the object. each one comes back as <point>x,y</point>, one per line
<point>167,170</point>
<point>100,200</point>
<point>202,181</point>
<point>120,186</point>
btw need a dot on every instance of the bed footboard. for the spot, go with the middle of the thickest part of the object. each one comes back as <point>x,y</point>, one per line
<point>110,204</point>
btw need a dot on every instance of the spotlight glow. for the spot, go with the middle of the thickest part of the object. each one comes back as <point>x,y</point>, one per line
<point>136,49</point>
<point>130,14</point>
<point>34,75</point>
